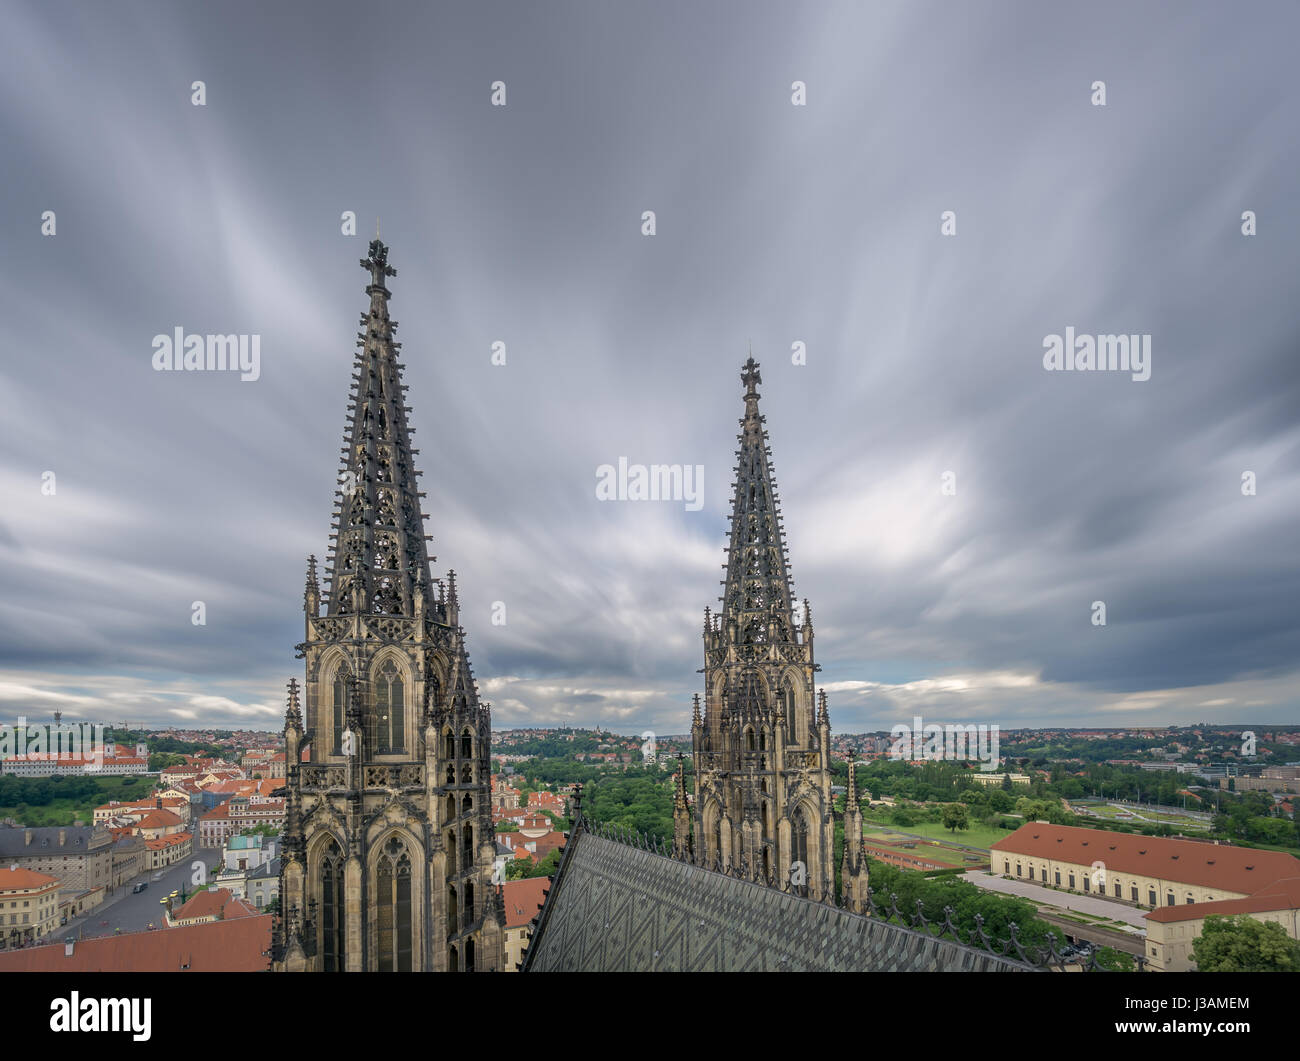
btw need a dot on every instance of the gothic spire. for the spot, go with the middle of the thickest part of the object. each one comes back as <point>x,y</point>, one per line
<point>293,712</point>
<point>378,557</point>
<point>679,791</point>
<point>757,587</point>
<point>311,592</point>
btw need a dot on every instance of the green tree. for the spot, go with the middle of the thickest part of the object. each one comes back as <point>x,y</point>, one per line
<point>954,817</point>
<point>1116,961</point>
<point>1244,945</point>
<point>902,816</point>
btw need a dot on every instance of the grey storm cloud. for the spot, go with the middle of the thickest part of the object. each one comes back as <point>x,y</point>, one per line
<point>776,224</point>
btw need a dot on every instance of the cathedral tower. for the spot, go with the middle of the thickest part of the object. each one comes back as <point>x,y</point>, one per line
<point>388,831</point>
<point>762,743</point>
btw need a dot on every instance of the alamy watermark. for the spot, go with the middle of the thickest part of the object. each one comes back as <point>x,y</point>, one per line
<point>208,353</point>
<point>53,741</point>
<point>1100,353</point>
<point>950,743</point>
<point>656,482</point>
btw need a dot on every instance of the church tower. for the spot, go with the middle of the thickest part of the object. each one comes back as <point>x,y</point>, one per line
<point>389,843</point>
<point>762,743</point>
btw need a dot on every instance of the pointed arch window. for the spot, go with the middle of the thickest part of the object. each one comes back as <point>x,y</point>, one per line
<point>339,711</point>
<point>390,708</point>
<point>799,850</point>
<point>393,887</point>
<point>795,722</point>
<point>332,909</point>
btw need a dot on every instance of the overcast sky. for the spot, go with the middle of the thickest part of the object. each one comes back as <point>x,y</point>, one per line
<point>776,224</point>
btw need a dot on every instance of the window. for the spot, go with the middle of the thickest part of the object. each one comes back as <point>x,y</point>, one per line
<point>1018,872</point>
<point>1170,898</point>
<point>1117,890</point>
<point>799,848</point>
<point>1006,866</point>
<point>394,908</point>
<point>1133,893</point>
<point>390,709</point>
<point>1071,880</point>
<point>1058,878</point>
<point>1087,883</point>
<point>332,909</point>
<point>341,681</point>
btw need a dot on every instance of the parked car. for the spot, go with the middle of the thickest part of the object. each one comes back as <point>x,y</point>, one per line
<point>140,887</point>
<point>157,876</point>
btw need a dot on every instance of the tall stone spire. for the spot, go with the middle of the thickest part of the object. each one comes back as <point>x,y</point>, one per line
<point>378,560</point>
<point>756,591</point>
<point>762,767</point>
<point>388,835</point>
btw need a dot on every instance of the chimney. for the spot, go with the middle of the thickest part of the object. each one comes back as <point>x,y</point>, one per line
<point>158,803</point>
<point>27,838</point>
<point>63,837</point>
<point>68,945</point>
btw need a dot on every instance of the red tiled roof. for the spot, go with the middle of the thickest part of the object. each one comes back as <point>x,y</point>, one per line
<point>523,898</point>
<point>220,903</point>
<point>219,813</point>
<point>1234,869</point>
<point>1280,895</point>
<point>12,877</point>
<point>239,946</point>
<point>159,819</point>
<point>167,841</point>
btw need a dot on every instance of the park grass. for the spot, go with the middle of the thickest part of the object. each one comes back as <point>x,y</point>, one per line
<point>978,835</point>
<point>933,852</point>
<point>1129,816</point>
<point>62,811</point>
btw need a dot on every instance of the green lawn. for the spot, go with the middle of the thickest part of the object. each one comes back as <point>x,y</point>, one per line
<point>978,835</point>
<point>935,853</point>
<point>1124,814</point>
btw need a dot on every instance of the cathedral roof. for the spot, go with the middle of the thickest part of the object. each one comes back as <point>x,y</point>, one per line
<point>617,908</point>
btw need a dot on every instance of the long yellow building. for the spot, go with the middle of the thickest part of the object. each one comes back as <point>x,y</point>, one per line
<point>1168,875</point>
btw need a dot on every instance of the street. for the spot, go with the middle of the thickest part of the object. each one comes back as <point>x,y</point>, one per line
<point>133,913</point>
<point>1064,900</point>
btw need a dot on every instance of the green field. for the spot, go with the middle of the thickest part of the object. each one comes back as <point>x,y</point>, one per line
<point>1148,817</point>
<point>61,811</point>
<point>978,835</point>
<point>948,856</point>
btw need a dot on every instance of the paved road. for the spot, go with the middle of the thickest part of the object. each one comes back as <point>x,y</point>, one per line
<point>131,912</point>
<point>1087,904</point>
